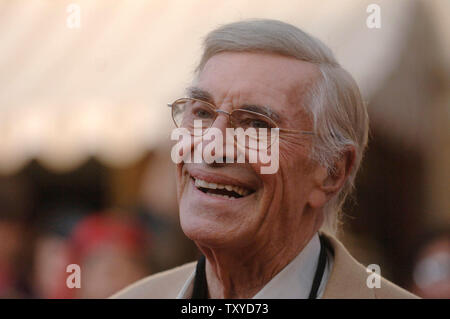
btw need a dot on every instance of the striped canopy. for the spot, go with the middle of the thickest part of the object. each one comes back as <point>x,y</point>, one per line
<point>100,89</point>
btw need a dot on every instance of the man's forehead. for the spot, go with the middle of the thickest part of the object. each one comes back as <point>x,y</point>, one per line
<point>257,70</point>
<point>261,78</point>
<point>261,63</point>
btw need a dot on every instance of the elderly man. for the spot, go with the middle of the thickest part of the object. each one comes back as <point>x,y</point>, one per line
<point>269,235</point>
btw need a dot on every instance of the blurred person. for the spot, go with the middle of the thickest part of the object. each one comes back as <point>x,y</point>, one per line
<point>431,272</point>
<point>11,233</point>
<point>52,251</point>
<point>170,247</point>
<point>14,199</point>
<point>269,235</point>
<point>157,210</point>
<point>111,252</point>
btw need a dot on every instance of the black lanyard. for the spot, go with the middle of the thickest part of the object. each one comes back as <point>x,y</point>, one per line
<point>200,290</point>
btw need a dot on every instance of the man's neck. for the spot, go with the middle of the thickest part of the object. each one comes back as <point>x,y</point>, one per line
<point>233,275</point>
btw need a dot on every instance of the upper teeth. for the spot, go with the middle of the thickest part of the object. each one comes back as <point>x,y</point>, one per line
<point>240,190</point>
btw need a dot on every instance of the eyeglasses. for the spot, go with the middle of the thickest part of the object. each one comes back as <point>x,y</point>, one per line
<point>258,127</point>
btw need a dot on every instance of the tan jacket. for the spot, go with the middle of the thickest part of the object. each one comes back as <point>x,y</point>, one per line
<point>347,280</point>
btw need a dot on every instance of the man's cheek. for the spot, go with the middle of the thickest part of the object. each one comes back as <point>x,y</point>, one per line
<point>272,168</point>
<point>181,184</point>
<point>265,162</point>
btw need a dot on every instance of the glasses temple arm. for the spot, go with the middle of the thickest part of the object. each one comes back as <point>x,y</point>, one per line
<point>295,131</point>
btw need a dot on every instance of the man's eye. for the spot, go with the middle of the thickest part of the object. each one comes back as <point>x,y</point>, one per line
<point>204,114</point>
<point>258,124</point>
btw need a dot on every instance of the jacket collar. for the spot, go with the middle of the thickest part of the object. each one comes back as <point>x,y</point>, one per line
<point>348,277</point>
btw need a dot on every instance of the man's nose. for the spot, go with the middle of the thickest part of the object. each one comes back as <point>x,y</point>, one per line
<point>222,121</point>
<point>220,126</point>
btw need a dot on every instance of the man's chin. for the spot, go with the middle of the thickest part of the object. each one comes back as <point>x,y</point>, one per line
<point>208,232</point>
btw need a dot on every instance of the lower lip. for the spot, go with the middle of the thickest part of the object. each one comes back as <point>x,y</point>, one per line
<point>212,197</point>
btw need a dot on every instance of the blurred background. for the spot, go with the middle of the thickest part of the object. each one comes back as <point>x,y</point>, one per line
<point>85,169</point>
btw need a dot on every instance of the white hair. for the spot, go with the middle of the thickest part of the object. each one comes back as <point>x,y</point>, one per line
<point>334,101</point>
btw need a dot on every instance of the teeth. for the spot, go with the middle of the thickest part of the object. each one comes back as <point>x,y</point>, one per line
<point>218,195</point>
<point>204,184</point>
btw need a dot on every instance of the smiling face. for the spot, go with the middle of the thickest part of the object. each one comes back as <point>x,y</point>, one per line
<point>257,209</point>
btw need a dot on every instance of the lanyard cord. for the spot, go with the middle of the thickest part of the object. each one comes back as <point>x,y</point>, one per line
<point>319,271</point>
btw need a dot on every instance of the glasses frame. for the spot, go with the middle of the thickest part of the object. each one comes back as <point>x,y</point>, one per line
<point>217,112</point>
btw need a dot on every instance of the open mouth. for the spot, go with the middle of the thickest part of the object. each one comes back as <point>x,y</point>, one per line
<point>221,190</point>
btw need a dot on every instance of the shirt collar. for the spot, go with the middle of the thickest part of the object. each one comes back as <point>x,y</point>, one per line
<point>294,280</point>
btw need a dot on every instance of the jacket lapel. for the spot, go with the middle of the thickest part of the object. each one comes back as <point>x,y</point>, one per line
<point>348,277</point>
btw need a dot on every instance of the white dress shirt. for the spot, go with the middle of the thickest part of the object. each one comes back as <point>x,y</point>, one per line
<point>293,282</point>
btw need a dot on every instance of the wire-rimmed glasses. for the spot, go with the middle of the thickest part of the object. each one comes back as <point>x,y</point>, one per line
<point>188,112</point>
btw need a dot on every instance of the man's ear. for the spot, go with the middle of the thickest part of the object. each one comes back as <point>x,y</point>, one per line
<point>338,174</point>
<point>330,181</point>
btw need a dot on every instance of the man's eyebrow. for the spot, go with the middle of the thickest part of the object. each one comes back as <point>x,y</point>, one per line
<point>197,93</point>
<point>264,110</point>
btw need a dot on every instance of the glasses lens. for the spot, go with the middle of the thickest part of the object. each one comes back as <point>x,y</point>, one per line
<point>256,129</point>
<point>193,114</point>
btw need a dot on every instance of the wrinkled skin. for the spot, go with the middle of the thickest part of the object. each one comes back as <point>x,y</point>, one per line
<point>247,241</point>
